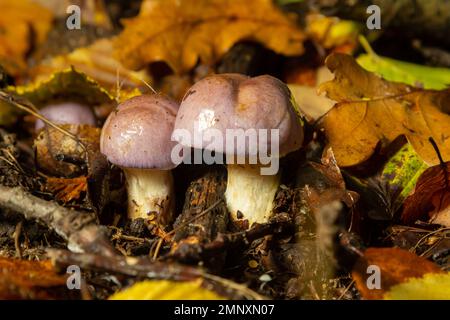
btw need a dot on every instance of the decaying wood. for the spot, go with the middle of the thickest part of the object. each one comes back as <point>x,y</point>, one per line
<point>204,214</point>
<point>277,224</point>
<point>80,229</point>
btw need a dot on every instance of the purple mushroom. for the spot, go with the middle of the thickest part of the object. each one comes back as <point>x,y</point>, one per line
<point>136,137</point>
<point>221,110</point>
<point>66,113</point>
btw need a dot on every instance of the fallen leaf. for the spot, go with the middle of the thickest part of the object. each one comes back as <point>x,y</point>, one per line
<point>396,266</point>
<point>372,111</point>
<point>20,279</point>
<point>68,84</point>
<point>401,173</point>
<point>166,290</point>
<point>98,63</point>
<point>53,147</point>
<point>429,287</point>
<point>405,72</point>
<point>332,32</point>
<point>67,189</point>
<point>181,32</point>
<point>20,31</point>
<point>431,196</point>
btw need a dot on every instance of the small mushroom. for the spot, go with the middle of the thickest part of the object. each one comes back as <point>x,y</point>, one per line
<point>234,101</point>
<point>136,137</point>
<point>66,113</point>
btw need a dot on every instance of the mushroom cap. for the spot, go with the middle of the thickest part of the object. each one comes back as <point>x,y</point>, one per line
<point>66,113</point>
<point>235,101</point>
<point>138,133</point>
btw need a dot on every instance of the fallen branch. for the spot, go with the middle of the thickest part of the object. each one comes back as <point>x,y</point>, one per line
<point>78,228</point>
<point>142,267</point>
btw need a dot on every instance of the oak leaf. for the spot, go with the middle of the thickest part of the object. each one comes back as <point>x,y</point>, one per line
<point>372,111</point>
<point>181,32</point>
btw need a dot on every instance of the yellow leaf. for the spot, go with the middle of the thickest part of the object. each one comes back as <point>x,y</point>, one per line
<point>97,62</point>
<point>181,32</point>
<point>372,111</point>
<point>68,84</point>
<point>166,290</point>
<point>429,287</point>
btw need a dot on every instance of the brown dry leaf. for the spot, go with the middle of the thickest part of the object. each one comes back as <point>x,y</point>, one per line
<point>181,32</point>
<point>396,266</point>
<point>20,31</point>
<point>67,189</point>
<point>371,110</point>
<point>20,279</point>
<point>52,144</point>
<point>97,62</point>
<point>431,197</point>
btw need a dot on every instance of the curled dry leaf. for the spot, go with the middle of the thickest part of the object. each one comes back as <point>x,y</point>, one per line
<point>372,111</point>
<point>396,266</point>
<point>431,197</point>
<point>21,279</point>
<point>181,32</point>
<point>61,155</point>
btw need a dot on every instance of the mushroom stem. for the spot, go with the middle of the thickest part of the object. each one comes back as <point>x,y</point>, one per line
<point>250,193</point>
<point>150,191</point>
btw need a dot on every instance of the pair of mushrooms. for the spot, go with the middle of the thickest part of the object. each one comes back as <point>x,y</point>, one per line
<point>139,137</point>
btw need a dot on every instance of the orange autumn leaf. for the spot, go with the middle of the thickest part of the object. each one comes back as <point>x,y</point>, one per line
<point>20,279</point>
<point>371,111</point>
<point>67,189</point>
<point>20,31</point>
<point>181,32</point>
<point>396,266</point>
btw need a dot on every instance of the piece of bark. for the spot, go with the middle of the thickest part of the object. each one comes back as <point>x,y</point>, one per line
<point>204,215</point>
<point>79,228</point>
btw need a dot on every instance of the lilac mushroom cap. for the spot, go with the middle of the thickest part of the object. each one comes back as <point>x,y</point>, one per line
<point>138,133</point>
<point>235,101</point>
<point>137,138</point>
<point>66,113</point>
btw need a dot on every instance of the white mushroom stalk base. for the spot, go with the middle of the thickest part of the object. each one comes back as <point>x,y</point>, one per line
<point>150,193</point>
<point>250,193</point>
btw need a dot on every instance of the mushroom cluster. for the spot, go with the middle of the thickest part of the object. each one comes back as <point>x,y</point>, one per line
<point>141,135</point>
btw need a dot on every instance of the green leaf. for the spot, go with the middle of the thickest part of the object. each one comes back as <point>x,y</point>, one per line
<point>166,290</point>
<point>405,72</point>
<point>402,171</point>
<point>432,286</point>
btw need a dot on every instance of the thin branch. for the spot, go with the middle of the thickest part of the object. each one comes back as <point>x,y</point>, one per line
<point>79,228</point>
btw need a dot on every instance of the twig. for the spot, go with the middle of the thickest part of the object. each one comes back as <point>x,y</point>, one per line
<point>17,233</point>
<point>79,228</point>
<point>144,268</point>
